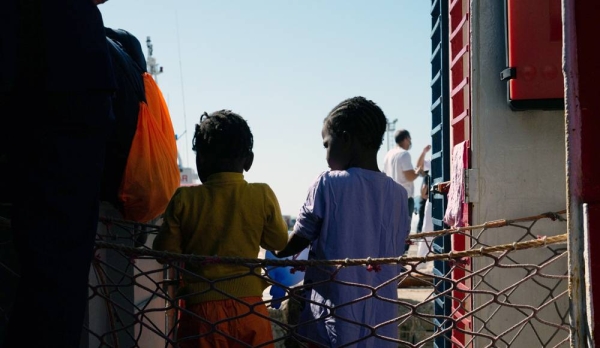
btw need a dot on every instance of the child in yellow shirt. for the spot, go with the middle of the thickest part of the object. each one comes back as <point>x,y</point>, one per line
<point>229,217</point>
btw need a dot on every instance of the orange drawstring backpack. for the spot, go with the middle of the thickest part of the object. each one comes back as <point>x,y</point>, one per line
<point>151,174</point>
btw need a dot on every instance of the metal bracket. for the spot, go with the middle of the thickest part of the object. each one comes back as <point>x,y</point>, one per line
<point>440,188</point>
<point>508,74</point>
<point>471,185</point>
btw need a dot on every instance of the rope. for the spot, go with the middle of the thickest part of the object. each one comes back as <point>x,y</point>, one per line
<point>490,224</point>
<point>197,259</point>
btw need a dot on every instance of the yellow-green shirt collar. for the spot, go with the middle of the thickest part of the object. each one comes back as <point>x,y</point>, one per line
<point>224,177</point>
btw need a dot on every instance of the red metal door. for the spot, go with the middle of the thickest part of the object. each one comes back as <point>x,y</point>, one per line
<point>460,134</point>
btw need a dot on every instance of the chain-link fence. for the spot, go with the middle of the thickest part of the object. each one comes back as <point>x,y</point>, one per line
<point>134,300</point>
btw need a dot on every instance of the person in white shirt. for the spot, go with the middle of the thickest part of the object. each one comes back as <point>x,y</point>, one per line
<point>398,165</point>
<point>425,183</point>
<point>425,245</point>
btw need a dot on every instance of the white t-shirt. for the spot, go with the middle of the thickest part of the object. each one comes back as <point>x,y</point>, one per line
<point>396,161</point>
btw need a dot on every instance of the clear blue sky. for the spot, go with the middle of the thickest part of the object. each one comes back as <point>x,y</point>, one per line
<point>283,65</point>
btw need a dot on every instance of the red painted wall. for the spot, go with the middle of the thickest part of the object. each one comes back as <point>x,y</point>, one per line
<point>588,53</point>
<point>588,62</point>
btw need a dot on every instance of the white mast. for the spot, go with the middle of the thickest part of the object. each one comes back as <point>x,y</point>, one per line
<point>153,68</point>
<point>391,127</point>
<point>187,175</point>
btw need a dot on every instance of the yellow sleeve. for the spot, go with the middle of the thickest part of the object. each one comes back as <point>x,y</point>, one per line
<point>169,234</point>
<point>275,231</point>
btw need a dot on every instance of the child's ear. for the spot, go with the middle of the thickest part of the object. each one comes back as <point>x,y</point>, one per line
<point>248,161</point>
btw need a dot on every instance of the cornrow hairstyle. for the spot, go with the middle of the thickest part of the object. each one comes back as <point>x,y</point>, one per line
<point>223,133</point>
<point>401,134</point>
<point>360,117</point>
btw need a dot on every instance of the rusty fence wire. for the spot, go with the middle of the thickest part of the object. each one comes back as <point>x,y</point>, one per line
<point>507,287</point>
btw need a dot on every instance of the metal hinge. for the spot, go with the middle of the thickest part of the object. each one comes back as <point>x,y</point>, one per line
<point>471,185</point>
<point>508,74</point>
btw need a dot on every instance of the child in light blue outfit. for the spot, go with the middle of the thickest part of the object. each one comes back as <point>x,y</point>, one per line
<point>352,211</point>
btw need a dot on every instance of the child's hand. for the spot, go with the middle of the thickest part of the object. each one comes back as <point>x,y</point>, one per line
<point>294,246</point>
<point>426,148</point>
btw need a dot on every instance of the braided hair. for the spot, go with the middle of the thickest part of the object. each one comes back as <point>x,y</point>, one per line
<point>224,134</point>
<point>360,117</point>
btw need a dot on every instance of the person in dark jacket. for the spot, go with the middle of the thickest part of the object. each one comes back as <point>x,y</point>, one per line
<point>129,64</point>
<point>56,86</point>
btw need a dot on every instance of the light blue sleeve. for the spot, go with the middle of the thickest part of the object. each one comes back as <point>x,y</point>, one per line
<point>310,218</point>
